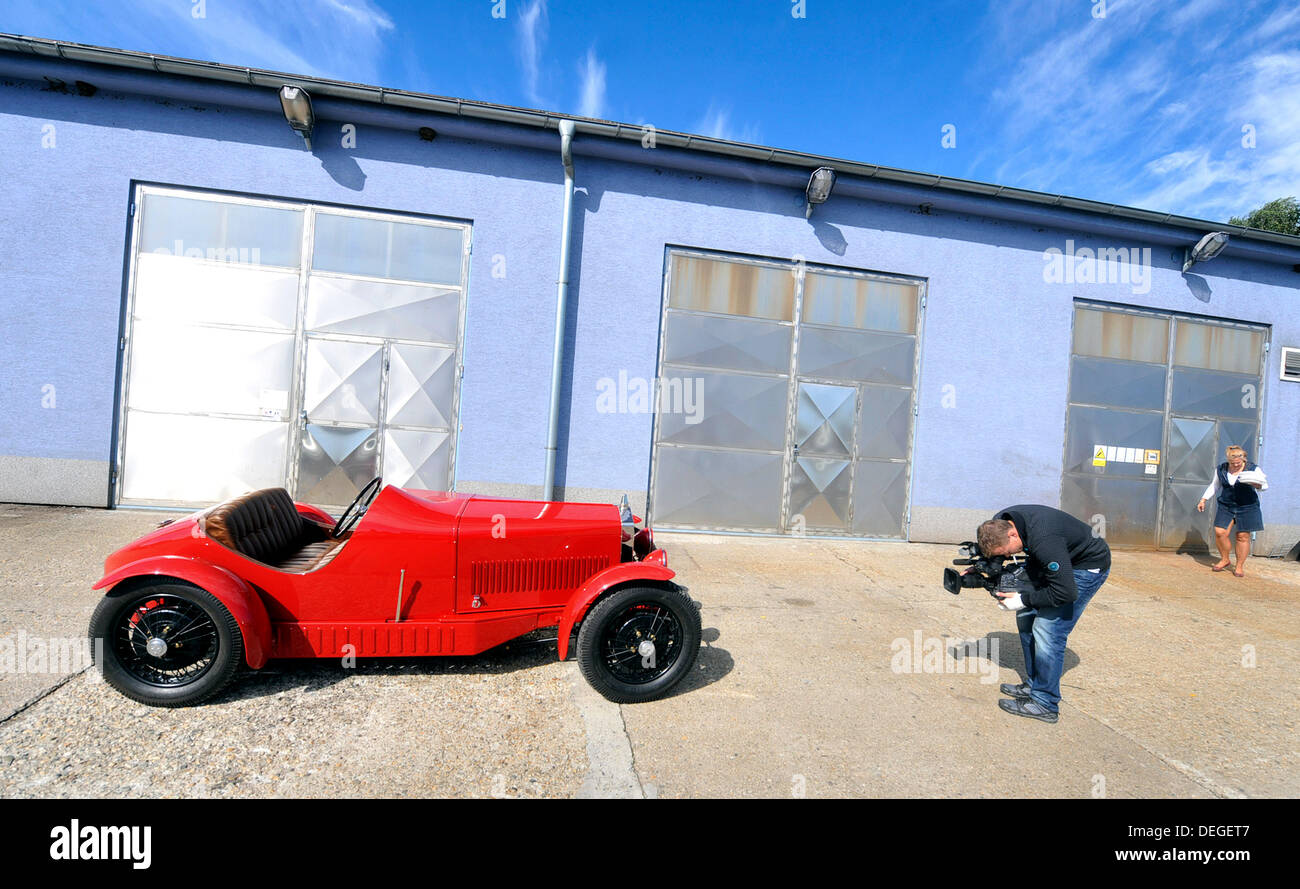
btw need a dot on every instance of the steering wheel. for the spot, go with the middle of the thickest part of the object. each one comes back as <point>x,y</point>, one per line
<point>353,513</point>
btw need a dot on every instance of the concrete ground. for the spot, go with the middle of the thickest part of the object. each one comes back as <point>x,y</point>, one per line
<point>830,669</point>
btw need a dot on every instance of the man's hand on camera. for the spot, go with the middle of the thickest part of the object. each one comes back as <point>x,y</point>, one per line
<point>1010,602</point>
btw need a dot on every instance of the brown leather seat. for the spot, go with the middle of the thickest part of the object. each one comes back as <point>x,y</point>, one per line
<point>266,527</point>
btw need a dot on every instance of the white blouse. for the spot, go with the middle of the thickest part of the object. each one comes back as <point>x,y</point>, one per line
<point>1213,490</point>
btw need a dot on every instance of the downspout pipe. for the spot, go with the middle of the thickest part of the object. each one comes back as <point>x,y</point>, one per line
<point>567,129</point>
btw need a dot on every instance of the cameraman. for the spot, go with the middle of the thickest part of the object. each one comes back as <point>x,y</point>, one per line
<point>1068,563</point>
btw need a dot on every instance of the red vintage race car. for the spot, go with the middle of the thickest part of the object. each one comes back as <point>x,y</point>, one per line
<point>401,573</point>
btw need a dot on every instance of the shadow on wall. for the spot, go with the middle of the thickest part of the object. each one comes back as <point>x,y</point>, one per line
<point>340,164</point>
<point>830,236</point>
<point>1199,287</point>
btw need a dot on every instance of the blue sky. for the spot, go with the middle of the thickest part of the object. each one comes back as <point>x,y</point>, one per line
<point>1148,103</point>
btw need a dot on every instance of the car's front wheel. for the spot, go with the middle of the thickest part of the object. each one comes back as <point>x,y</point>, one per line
<point>636,643</point>
<point>166,643</point>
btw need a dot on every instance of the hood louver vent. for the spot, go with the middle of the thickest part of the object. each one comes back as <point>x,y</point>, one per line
<point>534,575</point>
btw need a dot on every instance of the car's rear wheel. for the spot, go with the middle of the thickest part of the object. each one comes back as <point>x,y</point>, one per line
<point>636,643</point>
<point>166,643</point>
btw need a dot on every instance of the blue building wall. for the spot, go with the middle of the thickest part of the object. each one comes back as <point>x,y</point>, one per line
<point>995,331</point>
<point>996,336</point>
<point>66,230</point>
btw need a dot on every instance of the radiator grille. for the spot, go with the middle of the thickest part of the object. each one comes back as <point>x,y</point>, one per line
<point>533,575</point>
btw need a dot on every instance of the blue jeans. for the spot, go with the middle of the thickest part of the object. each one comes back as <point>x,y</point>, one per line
<point>1043,632</point>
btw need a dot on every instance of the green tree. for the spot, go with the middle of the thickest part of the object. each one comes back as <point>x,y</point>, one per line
<point>1282,215</point>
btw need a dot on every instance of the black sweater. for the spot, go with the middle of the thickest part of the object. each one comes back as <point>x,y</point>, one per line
<point>1057,544</point>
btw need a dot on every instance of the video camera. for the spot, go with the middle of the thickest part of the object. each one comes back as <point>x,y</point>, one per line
<point>1000,575</point>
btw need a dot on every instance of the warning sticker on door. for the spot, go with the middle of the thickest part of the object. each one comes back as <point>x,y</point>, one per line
<point>1103,454</point>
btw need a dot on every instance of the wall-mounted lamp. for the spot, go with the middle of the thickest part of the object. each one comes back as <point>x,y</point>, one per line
<point>819,188</point>
<point>297,111</point>
<point>1206,249</point>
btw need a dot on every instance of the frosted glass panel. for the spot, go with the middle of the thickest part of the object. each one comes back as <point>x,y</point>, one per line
<point>860,302</point>
<point>728,343</point>
<point>414,459</point>
<point>736,288</point>
<point>184,290</point>
<point>1208,393</point>
<point>824,419</point>
<point>730,410</point>
<point>879,498</point>
<point>885,428</point>
<point>221,231</point>
<point>174,458</point>
<point>343,380</point>
<point>372,308</point>
<point>1117,383</point>
<point>387,249</point>
<point>1104,334</point>
<point>335,463</point>
<point>1215,347</point>
<point>210,370</point>
<point>421,385</point>
<point>857,355</point>
<point>718,489</point>
<point>820,493</point>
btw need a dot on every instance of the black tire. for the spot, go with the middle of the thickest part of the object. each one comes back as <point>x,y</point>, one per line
<point>204,647</point>
<point>611,637</point>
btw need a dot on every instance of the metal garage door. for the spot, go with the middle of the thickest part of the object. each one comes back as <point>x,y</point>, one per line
<point>806,380</point>
<point>273,343</point>
<point>1155,398</point>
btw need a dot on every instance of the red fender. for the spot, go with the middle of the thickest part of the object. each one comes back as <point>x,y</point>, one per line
<point>598,584</point>
<point>240,598</point>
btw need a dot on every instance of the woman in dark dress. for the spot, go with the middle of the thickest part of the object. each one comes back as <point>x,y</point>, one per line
<point>1237,484</point>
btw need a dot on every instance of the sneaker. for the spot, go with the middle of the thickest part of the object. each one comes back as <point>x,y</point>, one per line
<point>1030,708</point>
<point>1020,692</point>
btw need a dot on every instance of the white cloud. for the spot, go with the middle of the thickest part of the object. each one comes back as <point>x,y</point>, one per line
<point>328,38</point>
<point>592,70</point>
<point>1135,109</point>
<point>1191,12</point>
<point>716,123</point>
<point>531,33</point>
<point>1282,21</point>
<point>1221,182</point>
<point>1177,160</point>
<point>369,17</point>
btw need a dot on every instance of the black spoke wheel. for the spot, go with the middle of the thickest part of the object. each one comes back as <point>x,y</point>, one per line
<point>636,643</point>
<point>166,643</point>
